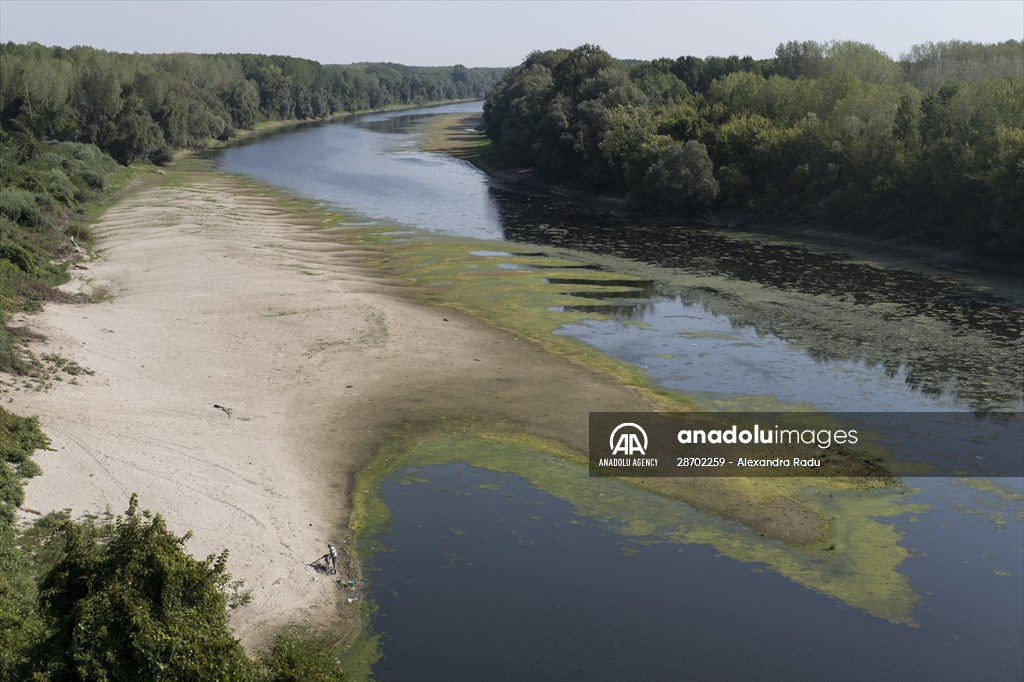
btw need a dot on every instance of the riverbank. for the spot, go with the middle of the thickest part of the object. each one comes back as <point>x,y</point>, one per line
<point>270,127</point>
<point>461,136</point>
<point>219,292</point>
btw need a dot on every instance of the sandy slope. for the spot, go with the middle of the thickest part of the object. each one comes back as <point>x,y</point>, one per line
<point>219,297</point>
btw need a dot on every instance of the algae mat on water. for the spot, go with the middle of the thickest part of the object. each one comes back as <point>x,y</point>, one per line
<point>861,571</point>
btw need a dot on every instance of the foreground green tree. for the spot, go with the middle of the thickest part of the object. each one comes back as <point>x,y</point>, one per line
<point>125,602</point>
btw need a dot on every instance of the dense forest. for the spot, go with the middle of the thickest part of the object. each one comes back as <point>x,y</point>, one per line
<point>139,106</point>
<point>928,149</point>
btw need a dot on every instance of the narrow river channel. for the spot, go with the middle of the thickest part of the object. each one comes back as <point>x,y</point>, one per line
<point>489,576</point>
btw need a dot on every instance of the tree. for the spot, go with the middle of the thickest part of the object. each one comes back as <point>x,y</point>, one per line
<point>682,177</point>
<point>244,104</point>
<point>630,144</point>
<point>862,61</point>
<point>797,59</point>
<point>127,602</point>
<point>136,135</point>
<point>98,97</point>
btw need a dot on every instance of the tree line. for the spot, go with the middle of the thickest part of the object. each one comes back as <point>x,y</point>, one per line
<point>66,115</point>
<point>928,148</point>
<point>140,106</point>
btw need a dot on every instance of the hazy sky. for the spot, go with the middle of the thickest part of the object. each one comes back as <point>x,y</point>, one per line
<point>498,33</point>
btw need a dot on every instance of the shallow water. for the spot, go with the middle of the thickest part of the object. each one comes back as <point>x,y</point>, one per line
<point>527,589</point>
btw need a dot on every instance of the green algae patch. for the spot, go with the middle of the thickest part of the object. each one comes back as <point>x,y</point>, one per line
<point>997,503</point>
<point>859,568</point>
<point>531,298</point>
<point>986,485</point>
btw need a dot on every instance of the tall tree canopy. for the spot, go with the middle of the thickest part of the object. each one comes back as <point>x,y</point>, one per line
<point>137,106</point>
<point>929,146</point>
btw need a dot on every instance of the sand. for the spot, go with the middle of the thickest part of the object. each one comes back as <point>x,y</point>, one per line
<point>215,295</point>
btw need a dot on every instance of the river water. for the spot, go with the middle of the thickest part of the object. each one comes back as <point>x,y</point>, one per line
<point>488,577</point>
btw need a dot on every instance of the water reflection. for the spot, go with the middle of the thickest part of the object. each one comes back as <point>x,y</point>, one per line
<point>487,577</point>
<point>850,322</point>
<point>937,335</point>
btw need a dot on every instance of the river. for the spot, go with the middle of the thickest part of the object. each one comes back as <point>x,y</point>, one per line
<point>490,577</point>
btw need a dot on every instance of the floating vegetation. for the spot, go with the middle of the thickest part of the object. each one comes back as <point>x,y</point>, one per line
<point>860,568</point>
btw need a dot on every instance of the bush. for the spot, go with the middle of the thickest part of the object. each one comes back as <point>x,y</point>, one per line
<point>95,180</point>
<point>20,624</point>
<point>125,602</point>
<point>299,657</point>
<point>59,186</point>
<point>20,437</point>
<point>18,256</point>
<point>20,206</point>
<point>8,356</point>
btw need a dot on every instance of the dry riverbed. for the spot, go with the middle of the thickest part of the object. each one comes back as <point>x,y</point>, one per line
<point>217,292</point>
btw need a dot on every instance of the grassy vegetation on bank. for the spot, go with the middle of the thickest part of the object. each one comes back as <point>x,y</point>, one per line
<point>50,192</point>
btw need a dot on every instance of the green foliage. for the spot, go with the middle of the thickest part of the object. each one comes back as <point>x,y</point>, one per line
<point>120,599</point>
<point>831,132</point>
<point>800,59</point>
<point>136,135</point>
<point>932,65</point>
<point>20,624</point>
<point>20,437</point>
<point>553,110</point>
<point>630,143</point>
<point>298,656</point>
<point>20,206</point>
<point>682,177</point>
<point>137,107</point>
<point>23,558</point>
<point>126,602</point>
<point>46,189</point>
<point>18,256</point>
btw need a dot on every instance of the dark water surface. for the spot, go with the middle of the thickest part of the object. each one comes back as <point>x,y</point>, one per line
<point>491,579</point>
<point>525,588</point>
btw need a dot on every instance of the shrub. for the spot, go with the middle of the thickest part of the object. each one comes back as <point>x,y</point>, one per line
<point>59,186</point>
<point>20,206</point>
<point>95,180</point>
<point>20,437</point>
<point>299,657</point>
<point>20,624</point>
<point>18,256</point>
<point>125,601</point>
